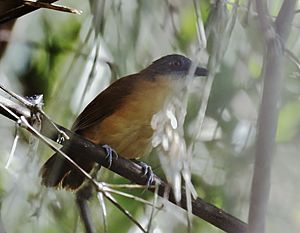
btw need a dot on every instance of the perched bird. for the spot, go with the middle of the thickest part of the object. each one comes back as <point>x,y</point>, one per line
<point>120,116</point>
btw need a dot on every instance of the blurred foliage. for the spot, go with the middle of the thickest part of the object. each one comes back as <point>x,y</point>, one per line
<point>70,58</point>
<point>289,122</point>
<point>45,62</point>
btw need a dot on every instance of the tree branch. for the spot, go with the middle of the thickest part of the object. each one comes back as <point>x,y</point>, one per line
<point>16,8</point>
<point>269,109</point>
<point>130,170</point>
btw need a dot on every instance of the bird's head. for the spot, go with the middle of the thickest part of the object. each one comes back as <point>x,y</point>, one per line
<point>175,65</point>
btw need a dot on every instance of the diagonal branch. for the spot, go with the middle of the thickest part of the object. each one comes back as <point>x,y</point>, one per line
<point>130,170</point>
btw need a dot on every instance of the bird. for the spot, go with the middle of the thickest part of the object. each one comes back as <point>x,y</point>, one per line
<point>120,117</point>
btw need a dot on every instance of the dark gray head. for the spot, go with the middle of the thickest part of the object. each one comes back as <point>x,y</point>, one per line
<point>175,64</point>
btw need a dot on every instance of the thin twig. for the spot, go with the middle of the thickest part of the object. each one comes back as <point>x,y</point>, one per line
<point>124,211</point>
<point>109,190</point>
<point>52,6</point>
<point>19,10</point>
<point>92,72</point>
<point>200,27</point>
<point>293,58</point>
<point>153,209</point>
<point>129,186</point>
<point>34,107</point>
<point>104,212</point>
<point>248,9</point>
<point>13,148</point>
<point>10,112</point>
<point>60,86</point>
<point>21,99</point>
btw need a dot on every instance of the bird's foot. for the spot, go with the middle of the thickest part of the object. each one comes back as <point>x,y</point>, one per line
<point>110,152</point>
<point>147,171</point>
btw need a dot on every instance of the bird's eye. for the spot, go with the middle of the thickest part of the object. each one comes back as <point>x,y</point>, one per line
<point>175,63</point>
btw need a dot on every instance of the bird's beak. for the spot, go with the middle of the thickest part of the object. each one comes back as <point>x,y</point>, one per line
<point>201,71</point>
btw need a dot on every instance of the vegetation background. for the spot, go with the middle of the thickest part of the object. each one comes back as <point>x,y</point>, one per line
<point>70,59</point>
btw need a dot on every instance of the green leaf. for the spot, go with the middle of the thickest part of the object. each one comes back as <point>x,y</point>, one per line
<point>289,121</point>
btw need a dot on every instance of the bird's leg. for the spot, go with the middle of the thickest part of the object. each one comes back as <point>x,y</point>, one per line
<point>110,152</point>
<point>147,171</point>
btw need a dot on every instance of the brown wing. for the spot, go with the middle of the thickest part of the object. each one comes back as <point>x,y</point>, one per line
<point>105,103</point>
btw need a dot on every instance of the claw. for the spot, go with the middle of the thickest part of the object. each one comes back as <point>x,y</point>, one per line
<point>147,171</point>
<point>110,152</point>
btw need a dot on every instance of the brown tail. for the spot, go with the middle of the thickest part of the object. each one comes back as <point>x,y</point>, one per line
<point>58,172</point>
